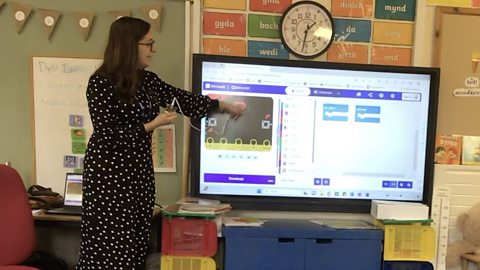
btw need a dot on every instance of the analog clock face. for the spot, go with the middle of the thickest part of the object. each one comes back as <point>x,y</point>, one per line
<point>306,29</point>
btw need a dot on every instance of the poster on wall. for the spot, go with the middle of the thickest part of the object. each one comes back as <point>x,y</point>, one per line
<point>163,149</point>
<point>365,31</point>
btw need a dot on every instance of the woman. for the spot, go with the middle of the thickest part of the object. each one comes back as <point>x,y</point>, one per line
<point>119,189</point>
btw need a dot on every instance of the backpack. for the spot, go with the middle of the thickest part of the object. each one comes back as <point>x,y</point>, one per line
<point>45,261</point>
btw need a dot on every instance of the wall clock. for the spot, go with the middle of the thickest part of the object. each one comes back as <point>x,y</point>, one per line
<point>306,29</point>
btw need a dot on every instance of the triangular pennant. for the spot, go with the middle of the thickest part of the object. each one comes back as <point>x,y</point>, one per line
<point>119,13</point>
<point>85,22</point>
<point>21,13</point>
<point>152,13</point>
<point>49,20</point>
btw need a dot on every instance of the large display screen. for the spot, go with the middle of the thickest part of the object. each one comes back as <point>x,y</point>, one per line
<point>314,136</point>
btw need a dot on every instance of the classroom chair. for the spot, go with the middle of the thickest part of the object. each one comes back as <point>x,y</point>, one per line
<point>17,231</point>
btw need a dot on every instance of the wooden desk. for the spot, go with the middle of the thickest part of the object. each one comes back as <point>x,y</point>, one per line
<point>43,219</point>
<point>60,235</point>
<point>42,216</point>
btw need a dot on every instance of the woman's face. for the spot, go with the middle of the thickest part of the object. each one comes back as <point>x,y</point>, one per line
<point>145,50</point>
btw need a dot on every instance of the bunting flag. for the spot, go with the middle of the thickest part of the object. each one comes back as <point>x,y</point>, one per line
<point>119,13</point>
<point>152,13</point>
<point>49,20</point>
<point>85,21</point>
<point>21,13</point>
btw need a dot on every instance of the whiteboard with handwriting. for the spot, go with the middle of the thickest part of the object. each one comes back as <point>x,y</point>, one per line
<point>61,121</point>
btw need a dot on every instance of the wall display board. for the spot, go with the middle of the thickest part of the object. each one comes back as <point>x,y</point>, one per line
<point>366,31</point>
<point>457,53</point>
<point>61,121</point>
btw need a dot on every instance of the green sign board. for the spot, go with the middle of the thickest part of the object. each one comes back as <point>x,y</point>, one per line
<point>265,26</point>
<point>403,10</point>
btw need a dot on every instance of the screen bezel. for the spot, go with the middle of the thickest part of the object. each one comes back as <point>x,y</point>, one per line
<point>308,204</point>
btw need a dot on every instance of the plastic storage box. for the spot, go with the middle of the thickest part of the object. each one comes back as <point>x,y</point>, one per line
<point>186,263</point>
<point>189,236</point>
<point>411,242</point>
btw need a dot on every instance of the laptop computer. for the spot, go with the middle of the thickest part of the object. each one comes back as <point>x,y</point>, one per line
<point>72,196</point>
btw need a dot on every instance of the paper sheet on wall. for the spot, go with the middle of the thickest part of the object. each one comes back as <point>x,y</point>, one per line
<point>163,149</point>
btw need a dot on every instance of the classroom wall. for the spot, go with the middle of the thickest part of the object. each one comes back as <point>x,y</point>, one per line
<point>16,111</point>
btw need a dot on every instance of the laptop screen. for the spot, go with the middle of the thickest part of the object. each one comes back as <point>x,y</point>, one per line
<point>73,189</point>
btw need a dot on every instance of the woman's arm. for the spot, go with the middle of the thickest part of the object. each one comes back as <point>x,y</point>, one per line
<point>161,119</point>
<point>189,104</point>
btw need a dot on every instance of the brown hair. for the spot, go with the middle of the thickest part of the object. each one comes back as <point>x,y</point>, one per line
<point>120,61</point>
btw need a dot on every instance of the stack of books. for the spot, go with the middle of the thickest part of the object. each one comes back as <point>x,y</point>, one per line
<point>196,206</point>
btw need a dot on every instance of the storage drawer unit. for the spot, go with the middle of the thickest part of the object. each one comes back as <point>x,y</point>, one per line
<point>301,245</point>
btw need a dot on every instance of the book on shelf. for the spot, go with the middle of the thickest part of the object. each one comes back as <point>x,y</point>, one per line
<point>242,221</point>
<point>448,149</point>
<point>471,150</point>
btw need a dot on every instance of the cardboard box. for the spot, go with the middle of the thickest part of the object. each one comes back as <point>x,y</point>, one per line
<point>448,149</point>
<point>399,210</point>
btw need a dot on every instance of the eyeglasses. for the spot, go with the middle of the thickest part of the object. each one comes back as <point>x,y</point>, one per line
<point>149,44</point>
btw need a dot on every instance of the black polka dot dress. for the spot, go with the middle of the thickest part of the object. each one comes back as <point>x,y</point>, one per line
<point>119,188</point>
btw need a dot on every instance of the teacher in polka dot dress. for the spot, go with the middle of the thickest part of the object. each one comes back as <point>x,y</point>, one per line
<point>124,102</point>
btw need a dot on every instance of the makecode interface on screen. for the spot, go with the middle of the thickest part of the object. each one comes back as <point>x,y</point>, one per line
<point>312,132</point>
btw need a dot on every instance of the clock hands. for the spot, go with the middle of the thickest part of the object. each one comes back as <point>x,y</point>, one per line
<point>304,38</point>
<point>306,33</point>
